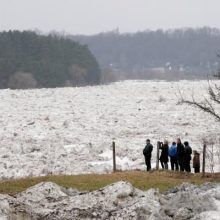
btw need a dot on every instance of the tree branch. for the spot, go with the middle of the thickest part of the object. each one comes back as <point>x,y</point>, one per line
<point>202,107</point>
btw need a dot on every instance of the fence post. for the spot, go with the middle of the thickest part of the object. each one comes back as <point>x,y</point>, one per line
<point>114,159</point>
<point>157,159</point>
<point>203,160</point>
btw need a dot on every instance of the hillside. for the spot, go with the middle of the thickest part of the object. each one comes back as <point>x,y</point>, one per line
<point>28,60</point>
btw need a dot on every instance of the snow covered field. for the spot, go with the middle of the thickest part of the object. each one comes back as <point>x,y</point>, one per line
<point>70,130</point>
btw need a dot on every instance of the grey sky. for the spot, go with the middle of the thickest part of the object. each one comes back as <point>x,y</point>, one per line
<point>94,16</point>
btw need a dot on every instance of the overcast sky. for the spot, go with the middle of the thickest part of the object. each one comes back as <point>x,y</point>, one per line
<point>94,16</point>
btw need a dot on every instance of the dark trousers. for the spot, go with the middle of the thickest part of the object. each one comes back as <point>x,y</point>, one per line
<point>181,164</point>
<point>148,163</point>
<point>164,165</point>
<point>197,169</point>
<point>174,163</point>
<point>187,166</point>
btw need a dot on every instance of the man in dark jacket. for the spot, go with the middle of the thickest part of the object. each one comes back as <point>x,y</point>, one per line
<point>188,152</point>
<point>147,154</point>
<point>180,154</point>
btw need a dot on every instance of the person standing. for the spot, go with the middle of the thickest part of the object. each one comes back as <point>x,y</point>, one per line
<point>180,154</point>
<point>147,154</point>
<point>173,156</point>
<point>196,162</point>
<point>164,155</point>
<point>187,159</point>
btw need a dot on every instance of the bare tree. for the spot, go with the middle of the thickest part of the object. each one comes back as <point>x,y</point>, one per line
<point>77,75</point>
<point>212,152</point>
<point>218,73</point>
<point>22,80</point>
<point>108,75</point>
<point>210,155</point>
<point>208,105</point>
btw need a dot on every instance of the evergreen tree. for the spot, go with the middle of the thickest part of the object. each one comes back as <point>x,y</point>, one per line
<point>47,60</point>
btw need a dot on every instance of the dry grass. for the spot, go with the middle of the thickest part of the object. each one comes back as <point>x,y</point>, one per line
<point>140,179</point>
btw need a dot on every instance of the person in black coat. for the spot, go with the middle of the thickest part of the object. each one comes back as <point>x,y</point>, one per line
<point>188,152</point>
<point>147,154</point>
<point>180,154</point>
<point>164,155</point>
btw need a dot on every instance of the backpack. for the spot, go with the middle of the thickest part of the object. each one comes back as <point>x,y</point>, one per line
<point>172,151</point>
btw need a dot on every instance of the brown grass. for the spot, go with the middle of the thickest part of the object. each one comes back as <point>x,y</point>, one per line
<point>163,180</point>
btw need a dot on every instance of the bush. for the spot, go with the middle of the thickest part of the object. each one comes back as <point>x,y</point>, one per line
<point>21,80</point>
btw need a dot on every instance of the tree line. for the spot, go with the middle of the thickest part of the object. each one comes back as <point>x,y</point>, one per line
<point>29,60</point>
<point>191,51</point>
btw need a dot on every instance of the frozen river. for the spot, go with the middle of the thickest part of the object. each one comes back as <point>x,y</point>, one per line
<point>70,130</point>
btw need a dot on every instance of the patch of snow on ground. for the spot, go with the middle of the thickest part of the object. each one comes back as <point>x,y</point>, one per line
<point>119,200</point>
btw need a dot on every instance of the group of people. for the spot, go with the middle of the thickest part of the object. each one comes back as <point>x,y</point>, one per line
<point>179,154</point>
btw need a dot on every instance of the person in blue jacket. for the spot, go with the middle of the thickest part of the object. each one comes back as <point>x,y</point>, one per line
<point>173,156</point>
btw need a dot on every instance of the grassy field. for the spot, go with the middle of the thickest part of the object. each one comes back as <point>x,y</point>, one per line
<point>140,179</point>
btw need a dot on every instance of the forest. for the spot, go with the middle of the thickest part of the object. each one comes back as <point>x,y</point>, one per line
<point>29,60</point>
<point>174,53</point>
<point>37,60</point>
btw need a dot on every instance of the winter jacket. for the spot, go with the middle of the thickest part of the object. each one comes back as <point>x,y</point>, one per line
<point>180,151</point>
<point>164,153</point>
<point>196,160</point>
<point>188,152</point>
<point>172,151</point>
<point>147,150</point>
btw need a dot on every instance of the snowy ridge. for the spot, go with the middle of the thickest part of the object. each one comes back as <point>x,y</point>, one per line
<point>116,201</point>
<point>70,130</point>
